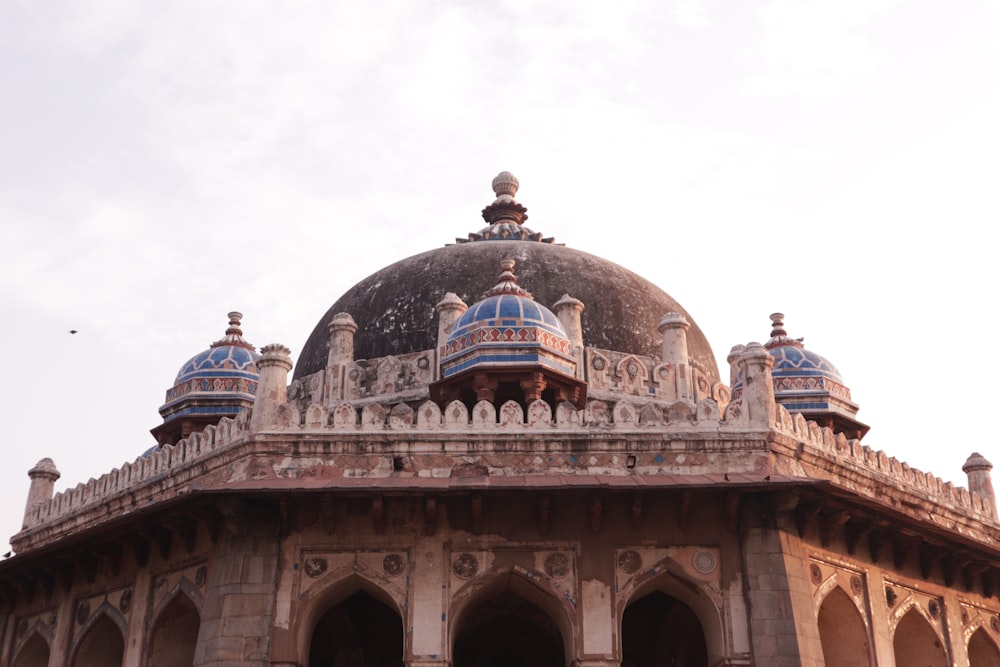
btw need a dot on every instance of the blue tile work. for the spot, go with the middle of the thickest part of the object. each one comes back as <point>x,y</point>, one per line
<point>227,370</point>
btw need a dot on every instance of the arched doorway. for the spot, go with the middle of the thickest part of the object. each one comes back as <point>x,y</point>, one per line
<point>842,632</point>
<point>506,630</point>
<point>916,643</point>
<point>658,629</point>
<point>102,645</point>
<point>982,651</point>
<point>175,634</point>
<point>358,632</point>
<point>34,653</point>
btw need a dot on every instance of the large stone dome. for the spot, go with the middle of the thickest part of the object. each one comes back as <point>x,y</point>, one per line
<point>395,308</point>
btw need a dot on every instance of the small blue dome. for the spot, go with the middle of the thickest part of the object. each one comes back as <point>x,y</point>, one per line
<point>506,329</point>
<point>793,360</point>
<point>225,372</point>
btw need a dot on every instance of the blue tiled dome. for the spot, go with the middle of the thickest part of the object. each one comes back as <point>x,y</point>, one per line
<point>507,328</point>
<point>507,310</point>
<point>792,360</point>
<point>219,381</point>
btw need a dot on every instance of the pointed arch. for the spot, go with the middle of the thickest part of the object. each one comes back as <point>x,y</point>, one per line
<point>343,585</point>
<point>33,653</point>
<point>843,632</point>
<point>983,651</point>
<point>667,577</point>
<point>916,642</point>
<point>497,598</point>
<point>101,642</point>
<point>175,630</point>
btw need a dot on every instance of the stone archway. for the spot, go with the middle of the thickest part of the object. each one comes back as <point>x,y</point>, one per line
<point>34,653</point>
<point>504,629</point>
<point>982,651</point>
<point>175,634</point>
<point>101,646</point>
<point>842,631</point>
<point>359,631</point>
<point>916,643</point>
<point>658,629</point>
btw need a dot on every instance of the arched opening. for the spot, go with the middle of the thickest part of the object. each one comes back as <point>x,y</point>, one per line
<point>842,632</point>
<point>982,651</point>
<point>358,632</point>
<point>175,634</point>
<point>658,629</point>
<point>102,646</point>
<point>506,630</point>
<point>35,653</point>
<point>916,643</point>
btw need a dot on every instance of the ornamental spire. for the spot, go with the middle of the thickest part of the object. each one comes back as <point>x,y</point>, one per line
<point>505,215</point>
<point>508,282</point>
<point>234,334</point>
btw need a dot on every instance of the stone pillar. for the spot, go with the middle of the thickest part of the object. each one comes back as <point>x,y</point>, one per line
<point>783,628</point>
<point>568,311</point>
<point>342,329</point>
<point>734,364</point>
<point>980,482</point>
<point>238,611</point>
<point>449,309</point>
<point>272,386</point>
<point>758,385</point>
<point>43,481</point>
<point>674,327</point>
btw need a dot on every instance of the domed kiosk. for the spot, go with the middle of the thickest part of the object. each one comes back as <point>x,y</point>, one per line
<point>215,383</point>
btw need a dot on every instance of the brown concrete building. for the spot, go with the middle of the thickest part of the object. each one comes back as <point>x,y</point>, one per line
<point>540,469</point>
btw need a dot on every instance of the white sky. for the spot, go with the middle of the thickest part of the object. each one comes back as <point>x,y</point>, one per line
<point>164,163</point>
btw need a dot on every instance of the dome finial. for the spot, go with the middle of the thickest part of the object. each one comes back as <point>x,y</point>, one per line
<point>508,281</point>
<point>505,183</point>
<point>778,325</point>
<point>234,334</point>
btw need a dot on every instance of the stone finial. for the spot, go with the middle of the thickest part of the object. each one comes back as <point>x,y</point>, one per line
<point>778,334</point>
<point>508,282</point>
<point>449,309</point>
<point>980,482</point>
<point>505,183</point>
<point>234,334</point>
<point>758,384</point>
<point>43,480</point>
<point>341,328</point>
<point>504,208</point>
<point>272,387</point>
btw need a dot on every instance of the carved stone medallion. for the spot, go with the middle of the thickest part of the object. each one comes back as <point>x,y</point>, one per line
<point>314,566</point>
<point>393,565</point>
<point>465,566</point>
<point>629,562</point>
<point>557,565</point>
<point>995,623</point>
<point>934,608</point>
<point>890,596</point>
<point>125,601</point>
<point>856,585</point>
<point>704,561</point>
<point>201,576</point>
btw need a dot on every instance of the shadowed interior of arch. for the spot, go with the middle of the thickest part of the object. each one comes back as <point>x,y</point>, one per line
<point>658,629</point>
<point>34,653</point>
<point>102,646</point>
<point>982,651</point>
<point>360,631</point>
<point>916,643</point>
<point>505,630</point>
<point>176,634</point>
<point>842,631</point>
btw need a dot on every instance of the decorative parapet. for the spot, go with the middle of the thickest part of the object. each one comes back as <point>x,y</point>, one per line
<point>823,444</point>
<point>147,469</point>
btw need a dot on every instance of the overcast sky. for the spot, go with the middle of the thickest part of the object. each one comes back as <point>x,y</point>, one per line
<point>164,163</point>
